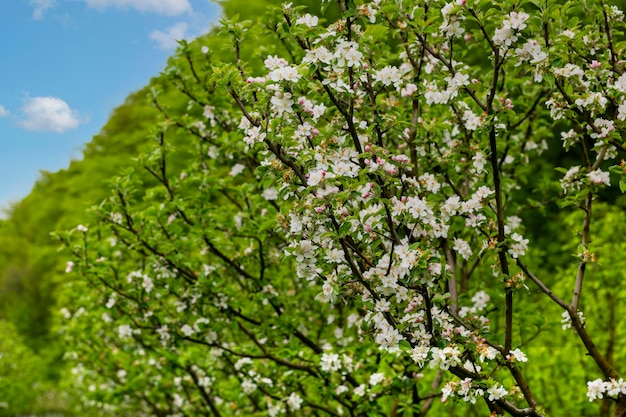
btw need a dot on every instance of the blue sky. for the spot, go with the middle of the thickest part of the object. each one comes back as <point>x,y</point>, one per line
<point>68,63</point>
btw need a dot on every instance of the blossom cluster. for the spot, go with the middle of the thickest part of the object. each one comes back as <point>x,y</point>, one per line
<point>598,389</point>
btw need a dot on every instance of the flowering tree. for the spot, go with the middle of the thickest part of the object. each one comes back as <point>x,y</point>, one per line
<point>340,231</point>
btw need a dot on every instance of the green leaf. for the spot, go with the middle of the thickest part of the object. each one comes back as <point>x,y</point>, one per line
<point>344,229</point>
<point>267,225</point>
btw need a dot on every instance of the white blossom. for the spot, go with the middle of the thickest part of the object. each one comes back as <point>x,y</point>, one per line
<point>294,401</point>
<point>330,362</point>
<point>248,386</point>
<point>307,20</point>
<point>596,389</point>
<point>462,248</point>
<point>566,320</point>
<point>125,331</point>
<point>376,378</point>
<point>274,62</point>
<point>187,330</point>
<point>388,75</point>
<point>236,170</point>
<point>496,392</point>
<point>599,177</point>
<point>518,245</point>
<point>286,73</point>
<point>517,355</point>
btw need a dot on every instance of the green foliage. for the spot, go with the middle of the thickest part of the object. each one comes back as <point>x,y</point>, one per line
<point>24,387</point>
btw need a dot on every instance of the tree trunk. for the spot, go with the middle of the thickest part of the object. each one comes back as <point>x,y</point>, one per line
<point>620,407</point>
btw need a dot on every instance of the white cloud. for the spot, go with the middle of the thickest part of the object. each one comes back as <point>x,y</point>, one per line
<point>167,39</point>
<point>195,25</point>
<point>40,6</point>
<point>3,111</point>
<point>48,114</point>
<point>166,7</point>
